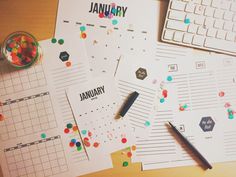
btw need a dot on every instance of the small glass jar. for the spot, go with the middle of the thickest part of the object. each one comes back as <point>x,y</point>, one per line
<point>21,50</point>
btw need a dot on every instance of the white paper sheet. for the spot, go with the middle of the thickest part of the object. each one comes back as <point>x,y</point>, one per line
<point>106,42</point>
<point>61,77</point>
<point>95,105</point>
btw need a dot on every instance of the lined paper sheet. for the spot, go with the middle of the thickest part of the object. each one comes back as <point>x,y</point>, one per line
<point>205,120</point>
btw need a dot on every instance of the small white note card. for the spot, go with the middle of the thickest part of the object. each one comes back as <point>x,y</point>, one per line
<point>95,105</point>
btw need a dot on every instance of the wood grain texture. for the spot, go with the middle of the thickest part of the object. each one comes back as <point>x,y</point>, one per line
<point>38,17</point>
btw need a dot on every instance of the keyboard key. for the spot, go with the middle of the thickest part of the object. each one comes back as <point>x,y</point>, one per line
<point>178,36</point>
<point>209,22</point>
<point>178,5</point>
<point>198,40</point>
<point>188,38</point>
<point>209,12</point>
<point>169,34</point>
<point>216,3</point>
<point>221,34</point>
<point>206,2</point>
<point>192,28</point>
<point>219,24</point>
<point>201,31</point>
<point>228,26</point>
<point>218,13</point>
<point>177,15</point>
<point>219,44</point>
<point>199,20</point>
<point>199,10</point>
<point>230,36</point>
<point>190,7</point>
<point>211,32</point>
<point>233,7</point>
<point>176,25</point>
<point>228,15</point>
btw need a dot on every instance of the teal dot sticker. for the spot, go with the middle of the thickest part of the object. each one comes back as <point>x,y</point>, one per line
<point>82,28</point>
<point>69,125</point>
<point>113,10</point>
<point>162,100</point>
<point>169,78</point>
<point>84,132</point>
<point>43,135</point>
<point>185,106</point>
<point>54,40</point>
<point>187,21</point>
<point>60,41</point>
<point>231,116</point>
<point>147,124</point>
<point>114,22</point>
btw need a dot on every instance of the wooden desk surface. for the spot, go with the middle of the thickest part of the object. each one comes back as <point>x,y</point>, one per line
<point>38,18</point>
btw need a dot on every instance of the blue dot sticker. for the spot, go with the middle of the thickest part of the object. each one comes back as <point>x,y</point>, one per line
<point>169,78</point>
<point>187,21</point>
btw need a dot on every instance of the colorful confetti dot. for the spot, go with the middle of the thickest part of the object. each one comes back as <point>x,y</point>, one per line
<point>68,64</point>
<point>113,4</point>
<point>101,15</point>
<point>83,35</point>
<point>79,148</point>
<point>147,124</point>
<point>133,148</point>
<point>82,28</point>
<point>187,21</point>
<point>185,106</point>
<point>73,141</point>
<point>162,100</point>
<point>221,94</point>
<point>86,139</point>
<point>227,105</point>
<point>129,154</point>
<point>113,10</point>
<point>181,108</point>
<point>69,125</point>
<point>231,116</point>
<point>78,144</point>
<point>60,41</point>
<point>75,128</point>
<point>1,117</point>
<point>87,144</point>
<point>43,135</point>
<point>106,13</point>
<point>169,78</point>
<point>164,93</point>
<point>125,164</point>
<point>96,144</point>
<point>54,40</point>
<point>114,22</point>
<point>84,132</point>
<point>71,144</point>
<point>66,130</point>
<point>123,140</point>
<point>89,134</point>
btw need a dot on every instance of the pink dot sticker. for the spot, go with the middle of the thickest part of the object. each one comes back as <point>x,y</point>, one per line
<point>221,94</point>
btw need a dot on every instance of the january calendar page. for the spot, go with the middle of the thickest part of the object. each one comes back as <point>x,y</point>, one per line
<point>110,29</point>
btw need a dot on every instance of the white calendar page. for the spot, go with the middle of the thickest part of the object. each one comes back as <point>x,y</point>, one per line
<point>106,42</point>
<point>61,76</point>
<point>95,105</point>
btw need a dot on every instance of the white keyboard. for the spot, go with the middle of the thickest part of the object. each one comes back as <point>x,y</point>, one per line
<point>203,24</point>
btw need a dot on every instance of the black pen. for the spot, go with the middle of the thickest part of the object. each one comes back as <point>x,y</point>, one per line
<point>127,104</point>
<point>194,150</point>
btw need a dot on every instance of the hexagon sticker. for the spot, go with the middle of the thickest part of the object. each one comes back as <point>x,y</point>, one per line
<point>141,73</point>
<point>64,56</point>
<point>207,124</point>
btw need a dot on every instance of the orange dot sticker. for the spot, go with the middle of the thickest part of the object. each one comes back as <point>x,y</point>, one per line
<point>75,128</point>
<point>68,64</point>
<point>133,148</point>
<point>83,35</point>
<point>1,117</point>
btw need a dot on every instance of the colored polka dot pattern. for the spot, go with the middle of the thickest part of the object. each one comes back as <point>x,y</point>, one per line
<point>125,164</point>
<point>124,140</point>
<point>71,128</point>
<point>169,78</point>
<point>111,14</point>
<point>43,135</point>
<point>147,124</point>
